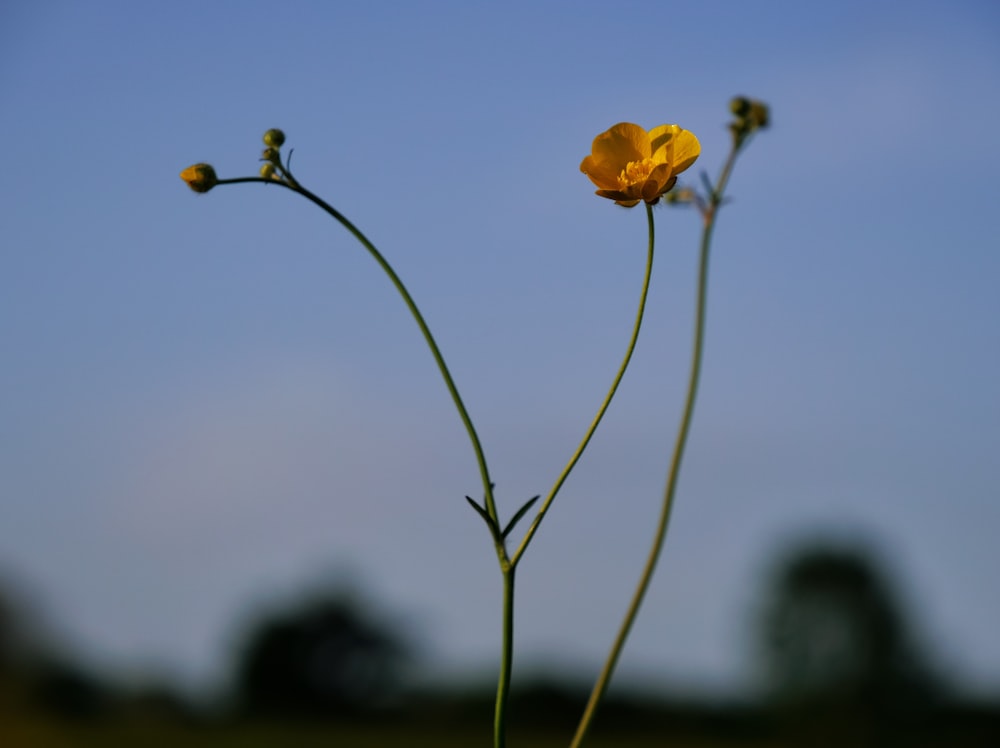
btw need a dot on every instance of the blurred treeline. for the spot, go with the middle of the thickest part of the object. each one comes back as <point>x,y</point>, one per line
<point>838,664</point>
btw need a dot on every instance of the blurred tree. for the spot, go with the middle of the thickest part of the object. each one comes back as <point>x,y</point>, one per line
<point>34,675</point>
<point>66,689</point>
<point>321,659</point>
<point>836,647</point>
<point>18,648</point>
<point>17,645</point>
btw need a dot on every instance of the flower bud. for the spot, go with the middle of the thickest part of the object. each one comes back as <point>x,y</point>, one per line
<point>200,177</point>
<point>759,114</point>
<point>740,106</point>
<point>683,195</point>
<point>267,171</point>
<point>271,154</point>
<point>274,138</point>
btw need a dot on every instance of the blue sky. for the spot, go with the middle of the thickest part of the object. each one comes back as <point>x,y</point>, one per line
<point>210,402</point>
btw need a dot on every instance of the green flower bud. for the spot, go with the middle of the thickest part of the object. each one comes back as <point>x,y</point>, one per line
<point>759,114</point>
<point>274,138</point>
<point>683,195</point>
<point>740,106</point>
<point>271,154</point>
<point>267,171</point>
<point>200,177</point>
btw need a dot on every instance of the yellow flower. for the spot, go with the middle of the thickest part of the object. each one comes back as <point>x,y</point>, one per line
<point>629,164</point>
<point>200,177</point>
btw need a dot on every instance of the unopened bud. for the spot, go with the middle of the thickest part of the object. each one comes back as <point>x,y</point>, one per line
<point>274,138</point>
<point>759,114</point>
<point>683,195</point>
<point>271,154</point>
<point>200,177</point>
<point>267,171</point>
<point>740,106</point>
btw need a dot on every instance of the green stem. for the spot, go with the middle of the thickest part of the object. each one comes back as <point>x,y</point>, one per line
<point>604,406</point>
<point>508,568</point>
<point>417,316</point>
<point>506,659</point>
<point>604,679</point>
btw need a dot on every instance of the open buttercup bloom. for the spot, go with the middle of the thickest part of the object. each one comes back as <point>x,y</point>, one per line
<point>629,164</point>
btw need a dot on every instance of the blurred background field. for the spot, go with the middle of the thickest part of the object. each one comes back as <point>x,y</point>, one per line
<point>839,662</point>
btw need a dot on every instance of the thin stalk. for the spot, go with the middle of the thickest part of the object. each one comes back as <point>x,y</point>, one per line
<point>604,679</point>
<point>506,660</point>
<point>417,316</point>
<point>530,533</point>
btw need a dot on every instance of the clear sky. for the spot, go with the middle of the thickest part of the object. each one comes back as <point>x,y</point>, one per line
<point>209,402</point>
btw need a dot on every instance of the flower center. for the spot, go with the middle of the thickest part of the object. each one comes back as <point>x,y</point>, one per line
<point>635,172</point>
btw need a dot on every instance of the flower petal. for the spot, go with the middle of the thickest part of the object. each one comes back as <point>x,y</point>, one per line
<point>661,141</point>
<point>602,173</point>
<point>651,192</point>
<point>613,195</point>
<point>660,180</point>
<point>616,147</point>
<point>612,151</point>
<point>686,150</point>
<point>627,197</point>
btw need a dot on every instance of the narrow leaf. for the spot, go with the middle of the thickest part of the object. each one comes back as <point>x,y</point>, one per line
<point>709,187</point>
<point>482,513</point>
<point>520,513</point>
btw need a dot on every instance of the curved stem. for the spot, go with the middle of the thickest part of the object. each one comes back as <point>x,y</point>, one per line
<point>417,316</point>
<point>508,568</point>
<point>530,533</point>
<point>604,679</point>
